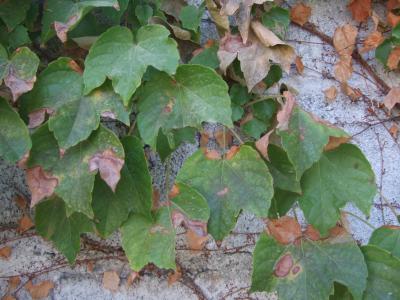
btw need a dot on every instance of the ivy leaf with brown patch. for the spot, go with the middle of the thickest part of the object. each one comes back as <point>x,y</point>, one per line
<point>19,71</point>
<point>60,17</point>
<point>242,182</point>
<point>307,270</point>
<point>73,116</point>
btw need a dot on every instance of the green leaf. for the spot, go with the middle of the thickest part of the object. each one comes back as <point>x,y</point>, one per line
<point>196,94</point>
<point>341,292</point>
<point>273,76</point>
<point>190,17</point>
<point>124,58</point>
<point>277,19</point>
<point>64,231</point>
<point>254,128</point>
<point>305,139</point>
<point>146,241</point>
<point>19,72</point>
<point>282,170</point>
<point>383,274</point>
<point>340,176</point>
<point>309,270</point>
<point>387,238</point>
<point>282,202</point>
<point>45,151</point>
<point>143,13</point>
<point>133,192</point>
<point>73,115</point>
<point>63,16</point>
<point>240,183</point>
<point>239,94</point>
<point>207,57</point>
<point>18,37</point>
<point>13,12</point>
<point>14,135</point>
<point>383,50</point>
<point>396,31</point>
<point>167,142</point>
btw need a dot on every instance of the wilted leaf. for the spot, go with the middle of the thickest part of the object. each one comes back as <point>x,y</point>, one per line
<point>387,237</point>
<point>19,72</point>
<point>171,103</point>
<point>73,116</point>
<point>340,176</point>
<point>393,59</point>
<point>24,224</point>
<point>307,269</point>
<point>372,41</point>
<point>14,136</point>
<point>5,252</point>
<point>40,290</point>
<point>285,230</point>
<point>383,274</point>
<point>53,223</point>
<point>360,9</point>
<point>111,281</point>
<point>13,12</point>
<point>300,14</point>
<point>331,93</point>
<point>229,186</point>
<point>60,17</point>
<point>392,98</point>
<point>133,192</point>
<point>123,57</point>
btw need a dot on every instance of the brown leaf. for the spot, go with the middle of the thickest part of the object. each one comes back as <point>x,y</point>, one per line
<point>265,36</point>
<point>232,152</point>
<point>221,21</point>
<point>24,224</point>
<point>173,192</point>
<point>17,85</point>
<point>111,280</point>
<point>283,116</point>
<point>195,241</point>
<point>155,199</point>
<point>173,7</point>
<point>312,233</point>
<point>360,9</point>
<point>40,183</point>
<point>90,266</point>
<point>178,219</point>
<point>40,290</point>
<point>335,142</point>
<point>22,163</point>
<point>300,14</point>
<point>37,117</point>
<point>204,138</point>
<point>331,93</point>
<point>5,252</point>
<point>175,276</point>
<point>13,283</point>
<point>21,202</point>
<point>299,65</point>
<point>343,70</point>
<point>392,98</point>
<point>109,166</point>
<point>394,130</point>
<point>392,19</point>
<point>372,41</point>
<point>285,230</point>
<point>131,278</point>
<point>228,50</point>
<point>283,266</point>
<point>394,58</point>
<point>344,39</point>
<point>8,297</point>
<point>262,144</point>
<point>353,93</point>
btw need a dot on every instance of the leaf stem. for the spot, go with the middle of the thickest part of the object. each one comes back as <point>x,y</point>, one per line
<point>392,209</point>
<point>359,218</point>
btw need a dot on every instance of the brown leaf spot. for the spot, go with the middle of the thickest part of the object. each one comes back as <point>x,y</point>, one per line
<point>109,166</point>
<point>331,93</point>
<point>212,154</point>
<point>283,266</point>
<point>392,98</point>
<point>24,224</point>
<point>360,9</point>
<point>40,183</point>
<point>18,86</point>
<point>22,163</point>
<point>174,191</point>
<point>37,117</point>
<point>155,199</point>
<point>21,202</point>
<point>75,67</point>
<point>392,19</point>
<point>223,138</point>
<point>195,241</point>
<point>232,152</point>
<point>223,192</point>
<point>285,113</point>
<point>262,144</point>
<point>300,14</point>
<point>174,276</point>
<point>168,108</point>
<point>5,252</point>
<point>199,227</point>
<point>111,280</point>
<point>63,28</point>
<point>312,233</point>
<point>285,230</point>
<point>40,290</point>
<point>335,142</point>
<point>296,269</point>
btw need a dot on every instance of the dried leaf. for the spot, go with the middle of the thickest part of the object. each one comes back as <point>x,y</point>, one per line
<point>372,41</point>
<point>223,138</point>
<point>360,9</point>
<point>173,192</point>
<point>394,59</point>
<point>175,276</point>
<point>195,241</point>
<point>13,283</point>
<point>394,130</point>
<point>229,47</point>
<point>131,278</point>
<point>392,98</point>
<point>40,183</point>
<point>232,152</point>
<point>90,266</point>
<point>109,166</point>
<point>285,230</point>
<point>40,290</point>
<point>212,154</point>
<point>221,21</point>
<point>8,297</point>
<point>21,202</point>
<point>111,280</point>
<point>300,14</point>
<point>285,113</point>
<point>331,93</point>
<point>299,65</point>
<point>5,252</point>
<point>353,93</point>
<point>312,233</point>
<point>344,39</point>
<point>24,224</point>
<point>343,70</point>
<point>262,144</point>
<point>265,36</point>
<point>335,142</point>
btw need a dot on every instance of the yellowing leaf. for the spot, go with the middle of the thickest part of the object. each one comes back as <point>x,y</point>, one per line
<point>300,14</point>
<point>111,280</point>
<point>360,9</point>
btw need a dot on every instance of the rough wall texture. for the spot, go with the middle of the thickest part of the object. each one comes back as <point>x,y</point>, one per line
<point>224,272</point>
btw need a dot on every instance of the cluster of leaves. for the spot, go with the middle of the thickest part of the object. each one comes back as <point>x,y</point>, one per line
<point>82,66</point>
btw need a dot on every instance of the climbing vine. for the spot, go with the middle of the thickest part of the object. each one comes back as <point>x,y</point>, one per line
<point>69,68</point>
